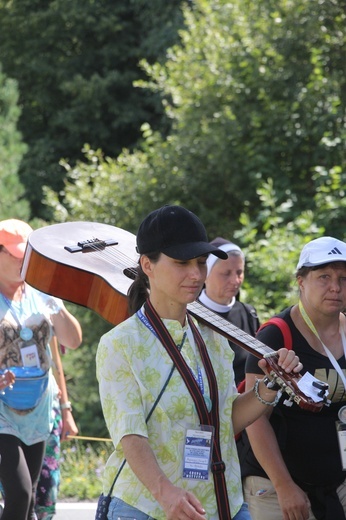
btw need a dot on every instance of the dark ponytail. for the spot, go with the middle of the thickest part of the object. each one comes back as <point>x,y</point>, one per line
<point>139,290</point>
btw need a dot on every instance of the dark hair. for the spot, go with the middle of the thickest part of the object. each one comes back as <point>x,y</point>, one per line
<point>304,271</point>
<point>139,290</point>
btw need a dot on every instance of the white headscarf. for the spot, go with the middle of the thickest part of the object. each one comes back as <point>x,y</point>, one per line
<point>225,247</point>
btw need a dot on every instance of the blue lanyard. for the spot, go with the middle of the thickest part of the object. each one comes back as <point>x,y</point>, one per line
<point>146,322</point>
<point>199,378</point>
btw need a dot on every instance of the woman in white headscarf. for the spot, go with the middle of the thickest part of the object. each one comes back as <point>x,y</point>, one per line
<point>221,295</point>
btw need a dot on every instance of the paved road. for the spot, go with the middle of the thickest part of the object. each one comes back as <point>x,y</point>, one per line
<point>75,511</point>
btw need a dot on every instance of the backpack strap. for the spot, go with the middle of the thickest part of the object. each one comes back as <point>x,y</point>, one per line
<point>283,326</point>
<point>241,386</point>
<point>252,317</point>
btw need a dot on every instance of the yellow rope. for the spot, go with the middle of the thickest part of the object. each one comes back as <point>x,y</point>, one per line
<point>77,437</point>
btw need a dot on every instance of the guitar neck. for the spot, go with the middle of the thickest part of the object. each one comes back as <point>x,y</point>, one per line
<point>257,348</point>
<point>228,330</point>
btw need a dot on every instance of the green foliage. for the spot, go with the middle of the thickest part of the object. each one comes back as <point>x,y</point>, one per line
<point>117,192</point>
<point>82,468</point>
<point>12,149</point>
<point>272,256</point>
<point>330,199</point>
<point>80,372</point>
<point>75,63</point>
<point>255,91</point>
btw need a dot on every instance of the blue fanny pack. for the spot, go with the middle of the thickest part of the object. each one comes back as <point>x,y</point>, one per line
<point>28,388</point>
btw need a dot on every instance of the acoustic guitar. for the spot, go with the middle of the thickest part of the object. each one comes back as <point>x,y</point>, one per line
<point>93,265</point>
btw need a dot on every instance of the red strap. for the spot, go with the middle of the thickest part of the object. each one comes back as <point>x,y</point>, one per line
<point>241,386</point>
<point>286,332</point>
<point>283,326</point>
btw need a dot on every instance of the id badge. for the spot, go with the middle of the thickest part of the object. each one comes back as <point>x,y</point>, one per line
<point>341,429</point>
<point>29,356</point>
<point>197,452</point>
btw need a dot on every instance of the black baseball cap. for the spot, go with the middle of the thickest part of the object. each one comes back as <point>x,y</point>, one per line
<point>176,232</point>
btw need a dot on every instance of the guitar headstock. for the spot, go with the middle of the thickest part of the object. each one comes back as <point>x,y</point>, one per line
<point>288,384</point>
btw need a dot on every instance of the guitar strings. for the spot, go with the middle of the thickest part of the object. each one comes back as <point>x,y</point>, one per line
<point>112,255</point>
<point>228,327</point>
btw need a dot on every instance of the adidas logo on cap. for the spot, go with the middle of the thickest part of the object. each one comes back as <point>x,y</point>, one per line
<point>335,251</point>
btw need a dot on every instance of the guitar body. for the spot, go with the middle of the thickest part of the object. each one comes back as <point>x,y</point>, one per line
<point>92,277</point>
<point>93,265</point>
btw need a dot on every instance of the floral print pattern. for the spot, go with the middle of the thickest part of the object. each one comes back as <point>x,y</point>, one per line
<point>132,368</point>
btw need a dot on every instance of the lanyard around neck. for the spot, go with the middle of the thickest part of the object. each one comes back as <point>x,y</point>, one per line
<point>330,355</point>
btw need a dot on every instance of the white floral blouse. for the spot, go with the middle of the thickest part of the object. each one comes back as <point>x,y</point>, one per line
<point>132,368</point>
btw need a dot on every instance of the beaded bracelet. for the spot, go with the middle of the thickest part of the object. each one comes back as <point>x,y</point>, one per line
<point>268,403</point>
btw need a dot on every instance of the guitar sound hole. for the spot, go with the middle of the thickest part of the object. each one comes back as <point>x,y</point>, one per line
<point>130,272</point>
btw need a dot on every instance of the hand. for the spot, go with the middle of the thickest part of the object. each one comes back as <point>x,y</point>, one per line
<point>69,427</point>
<point>293,501</point>
<point>179,504</point>
<point>53,304</point>
<point>287,360</point>
<point>7,379</point>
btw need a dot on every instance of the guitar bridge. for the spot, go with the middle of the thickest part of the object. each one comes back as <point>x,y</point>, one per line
<point>86,246</point>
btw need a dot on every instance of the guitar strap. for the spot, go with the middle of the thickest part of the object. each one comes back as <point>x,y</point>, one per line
<point>209,418</point>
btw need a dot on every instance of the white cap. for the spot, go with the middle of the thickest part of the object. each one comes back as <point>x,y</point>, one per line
<point>322,251</point>
<point>227,248</point>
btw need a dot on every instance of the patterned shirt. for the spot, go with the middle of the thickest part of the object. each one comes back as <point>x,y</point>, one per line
<point>132,368</point>
<point>34,426</point>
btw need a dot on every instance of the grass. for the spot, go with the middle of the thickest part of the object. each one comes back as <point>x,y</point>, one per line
<point>82,467</point>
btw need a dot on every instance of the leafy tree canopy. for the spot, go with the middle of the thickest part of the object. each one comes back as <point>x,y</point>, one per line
<point>12,148</point>
<point>75,63</point>
<point>255,91</point>
<point>258,92</point>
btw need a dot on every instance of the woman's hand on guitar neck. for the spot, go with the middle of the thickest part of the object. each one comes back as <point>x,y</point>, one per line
<point>287,360</point>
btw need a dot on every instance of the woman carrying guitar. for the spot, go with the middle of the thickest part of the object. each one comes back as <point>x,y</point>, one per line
<point>167,387</point>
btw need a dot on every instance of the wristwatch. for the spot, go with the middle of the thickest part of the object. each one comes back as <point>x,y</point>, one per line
<point>66,406</point>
